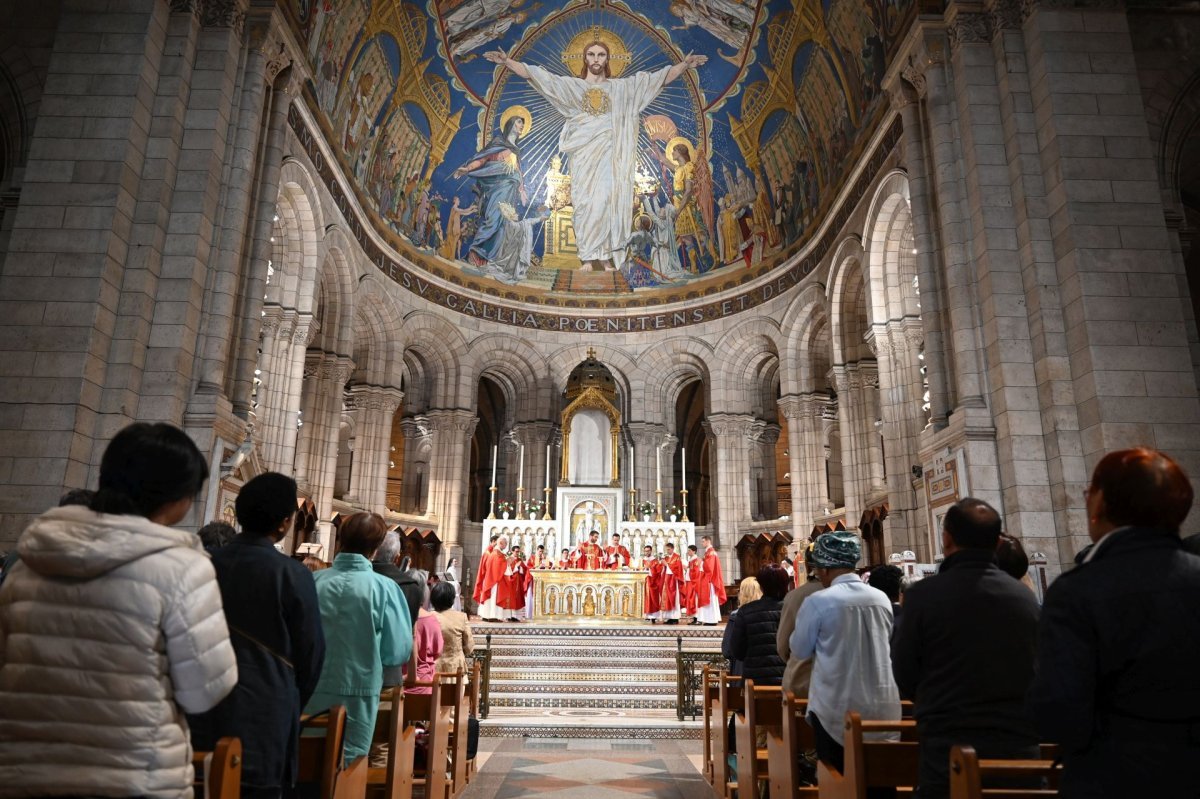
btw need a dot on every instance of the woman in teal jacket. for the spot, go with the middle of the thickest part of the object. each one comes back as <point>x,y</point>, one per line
<point>367,629</point>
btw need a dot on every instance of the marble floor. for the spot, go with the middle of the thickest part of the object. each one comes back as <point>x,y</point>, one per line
<point>557,768</point>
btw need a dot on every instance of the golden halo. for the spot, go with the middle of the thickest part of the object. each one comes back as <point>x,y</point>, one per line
<point>673,143</point>
<point>618,53</point>
<point>517,111</point>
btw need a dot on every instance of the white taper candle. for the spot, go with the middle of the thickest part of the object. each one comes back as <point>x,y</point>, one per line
<point>495,449</point>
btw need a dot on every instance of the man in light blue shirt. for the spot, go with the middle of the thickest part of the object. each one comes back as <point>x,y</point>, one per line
<point>846,629</point>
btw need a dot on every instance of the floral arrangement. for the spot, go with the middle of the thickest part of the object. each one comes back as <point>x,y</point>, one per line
<point>532,506</point>
<point>645,508</point>
<point>504,506</point>
<point>673,511</point>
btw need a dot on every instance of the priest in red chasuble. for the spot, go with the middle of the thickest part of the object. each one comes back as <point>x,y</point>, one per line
<point>653,582</point>
<point>692,571</point>
<point>591,555</point>
<point>565,560</point>
<point>710,591</point>
<point>538,559</point>
<point>616,555</point>
<point>491,579</point>
<point>512,590</point>
<point>672,577</point>
<point>479,574</point>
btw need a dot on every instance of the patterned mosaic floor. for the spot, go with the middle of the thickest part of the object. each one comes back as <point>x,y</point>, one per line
<point>548,768</point>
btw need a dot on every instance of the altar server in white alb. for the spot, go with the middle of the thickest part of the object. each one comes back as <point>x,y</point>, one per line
<point>599,138</point>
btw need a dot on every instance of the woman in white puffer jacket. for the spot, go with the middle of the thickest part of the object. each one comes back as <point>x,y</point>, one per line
<point>111,627</point>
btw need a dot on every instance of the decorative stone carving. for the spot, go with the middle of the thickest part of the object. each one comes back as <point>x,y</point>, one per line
<point>223,14</point>
<point>186,7</point>
<point>967,28</point>
<point>1005,16</point>
<point>915,78</point>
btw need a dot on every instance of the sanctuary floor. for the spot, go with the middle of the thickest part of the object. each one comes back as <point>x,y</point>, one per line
<point>558,768</point>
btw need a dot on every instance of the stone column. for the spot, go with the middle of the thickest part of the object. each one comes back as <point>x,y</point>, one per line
<point>806,459</point>
<point>305,331</point>
<point>416,467</point>
<point>647,437</point>
<point>452,430</point>
<point>374,408</point>
<point>765,436</point>
<point>326,422</point>
<point>535,436</point>
<point>255,275</point>
<point>731,438</point>
<point>928,73</point>
<point>904,97</point>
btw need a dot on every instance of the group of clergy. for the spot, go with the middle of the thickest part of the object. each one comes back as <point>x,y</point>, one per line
<point>504,585</point>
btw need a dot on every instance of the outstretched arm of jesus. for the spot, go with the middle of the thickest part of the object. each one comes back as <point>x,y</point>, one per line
<point>690,61</point>
<point>500,57</point>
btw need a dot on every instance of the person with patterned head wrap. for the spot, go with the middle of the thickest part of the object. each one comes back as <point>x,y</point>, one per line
<point>847,629</point>
<point>798,671</point>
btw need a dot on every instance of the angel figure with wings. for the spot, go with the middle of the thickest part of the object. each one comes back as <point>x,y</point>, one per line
<point>691,183</point>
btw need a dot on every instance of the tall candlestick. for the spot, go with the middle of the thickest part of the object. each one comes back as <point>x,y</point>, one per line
<point>631,475</point>
<point>521,469</point>
<point>683,466</point>
<point>657,469</point>
<point>547,467</point>
<point>495,449</point>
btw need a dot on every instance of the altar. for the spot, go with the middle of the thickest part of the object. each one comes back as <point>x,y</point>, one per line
<point>588,595</point>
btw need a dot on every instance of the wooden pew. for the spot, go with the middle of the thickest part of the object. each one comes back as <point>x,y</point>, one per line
<point>454,691</point>
<point>967,772</point>
<point>393,780</point>
<point>871,764</point>
<point>729,698</point>
<point>785,746</point>
<point>321,758</point>
<point>761,708</point>
<point>224,777</point>
<point>709,701</point>
<point>437,714</point>
<point>473,708</point>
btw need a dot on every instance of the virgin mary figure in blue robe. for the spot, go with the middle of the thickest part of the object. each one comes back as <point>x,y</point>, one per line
<point>496,170</point>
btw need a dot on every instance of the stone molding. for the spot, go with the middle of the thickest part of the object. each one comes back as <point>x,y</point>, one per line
<point>452,421</point>
<point>223,14</point>
<point>969,28</point>
<point>731,424</point>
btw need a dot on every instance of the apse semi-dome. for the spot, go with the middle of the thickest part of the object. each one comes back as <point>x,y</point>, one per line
<point>510,178</point>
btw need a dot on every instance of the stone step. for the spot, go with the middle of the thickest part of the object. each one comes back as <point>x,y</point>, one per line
<point>626,701</point>
<point>581,674</point>
<point>583,689</point>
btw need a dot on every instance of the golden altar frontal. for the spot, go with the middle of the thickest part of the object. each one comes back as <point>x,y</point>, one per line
<point>588,595</point>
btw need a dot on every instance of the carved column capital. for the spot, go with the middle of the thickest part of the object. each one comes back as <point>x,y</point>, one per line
<point>733,425</point>
<point>224,14</point>
<point>337,368</point>
<point>452,420</point>
<point>1005,15</point>
<point>968,27</point>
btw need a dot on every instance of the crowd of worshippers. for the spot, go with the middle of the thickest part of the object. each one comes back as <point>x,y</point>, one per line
<point>676,585</point>
<point>115,626</point>
<point>1105,669</point>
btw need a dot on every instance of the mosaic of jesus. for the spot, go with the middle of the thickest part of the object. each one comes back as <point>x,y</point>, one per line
<point>592,148</point>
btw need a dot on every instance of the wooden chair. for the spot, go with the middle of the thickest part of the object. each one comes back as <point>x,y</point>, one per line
<point>785,746</point>
<point>321,758</point>
<point>729,697</point>
<point>219,772</point>
<point>394,780</point>
<point>436,711</point>
<point>762,709</point>
<point>967,772</point>
<point>871,764</point>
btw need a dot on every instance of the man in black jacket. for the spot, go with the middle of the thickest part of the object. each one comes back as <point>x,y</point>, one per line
<point>275,627</point>
<point>964,651</point>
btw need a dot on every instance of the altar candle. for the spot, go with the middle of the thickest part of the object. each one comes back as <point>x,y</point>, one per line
<point>547,466</point>
<point>495,449</point>
<point>683,467</point>
<point>521,469</point>
<point>631,477</point>
<point>657,469</point>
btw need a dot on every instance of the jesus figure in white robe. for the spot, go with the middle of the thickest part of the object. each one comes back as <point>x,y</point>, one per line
<point>599,137</point>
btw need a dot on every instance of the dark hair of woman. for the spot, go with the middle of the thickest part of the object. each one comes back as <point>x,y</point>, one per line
<point>147,467</point>
<point>1142,487</point>
<point>362,534</point>
<point>441,596</point>
<point>773,581</point>
<point>265,502</point>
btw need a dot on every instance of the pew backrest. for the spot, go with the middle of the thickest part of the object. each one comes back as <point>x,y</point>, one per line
<point>219,772</point>
<point>967,773</point>
<point>320,757</point>
<point>761,709</point>
<point>871,764</point>
<point>785,747</point>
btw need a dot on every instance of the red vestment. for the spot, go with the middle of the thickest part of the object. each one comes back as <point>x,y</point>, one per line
<point>653,585</point>
<point>491,575</point>
<point>540,562</point>
<point>591,556</point>
<point>691,587</point>
<point>477,596</point>
<point>615,557</point>
<point>671,578</point>
<point>512,589</point>
<point>711,577</point>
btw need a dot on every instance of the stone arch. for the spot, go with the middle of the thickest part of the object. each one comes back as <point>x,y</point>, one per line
<point>336,289</point>
<point>849,303</point>
<point>1172,116</point>
<point>376,333</point>
<point>292,278</point>
<point>748,359</point>
<point>516,366</point>
<point>891,265</point>
<point>809,305</point>
<point>440,346</point>
<point>668,366</point>
<point>563,360</point>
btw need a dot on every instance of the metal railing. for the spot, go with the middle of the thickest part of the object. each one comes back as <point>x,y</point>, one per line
<point>689,673</point>
<point>484,658</point>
